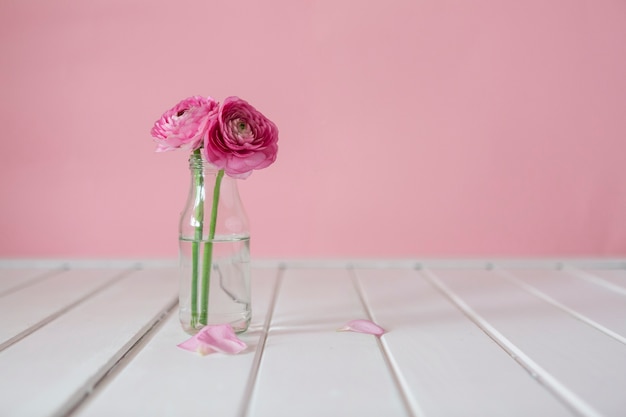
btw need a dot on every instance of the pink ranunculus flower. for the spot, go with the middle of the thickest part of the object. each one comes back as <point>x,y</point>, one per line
<point>184,125</point>
<point>240,139</point>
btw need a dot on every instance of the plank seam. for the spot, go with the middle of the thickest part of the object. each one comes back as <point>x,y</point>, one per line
<point>545,297</point>
<point>50,318</point>
<point>412,407</point>
<point>595,280</point>
<point>572,401</point>
<point>33,280</point>
<point>118,362</point>
<point>258,355</point>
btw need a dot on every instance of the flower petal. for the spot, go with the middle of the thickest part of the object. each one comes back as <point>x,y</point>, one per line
<point>363,326</point>
<point>193,345</point>
<point>214,338</point>
<point>221,338</point>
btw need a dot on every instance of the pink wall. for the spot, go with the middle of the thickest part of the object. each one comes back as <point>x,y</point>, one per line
<point>408,128</point>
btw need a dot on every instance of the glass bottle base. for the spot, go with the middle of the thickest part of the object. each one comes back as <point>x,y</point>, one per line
<point>239,324</point>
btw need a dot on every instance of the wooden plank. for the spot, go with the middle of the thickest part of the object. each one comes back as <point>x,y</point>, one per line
<point>581,365</point>
<point>163,380</point>
<point>614,279</point>
<point>14,279</point>
<point>37,304</point>
<point>447,365</point>
<point>53,368</point>
<point>309,369</point>
<point>595,304</point>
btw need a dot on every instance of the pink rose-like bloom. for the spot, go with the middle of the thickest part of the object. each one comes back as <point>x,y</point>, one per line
<point>184,125</point>
<point>240,139</point>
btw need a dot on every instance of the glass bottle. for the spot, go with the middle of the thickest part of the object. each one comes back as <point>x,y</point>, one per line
<point>214,252</point>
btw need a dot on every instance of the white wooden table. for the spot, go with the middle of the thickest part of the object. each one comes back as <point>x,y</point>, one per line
<point>526,338</point>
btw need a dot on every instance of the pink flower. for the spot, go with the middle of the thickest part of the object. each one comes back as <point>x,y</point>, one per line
<point>240,139</point>
<point>214,338</point>
<point>184,125</point>
<point>363,326</point>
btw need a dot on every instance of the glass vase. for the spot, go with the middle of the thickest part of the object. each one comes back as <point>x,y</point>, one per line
<point>214,252</point>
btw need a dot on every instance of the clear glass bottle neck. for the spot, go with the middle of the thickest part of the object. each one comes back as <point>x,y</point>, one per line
<point>198,163</point>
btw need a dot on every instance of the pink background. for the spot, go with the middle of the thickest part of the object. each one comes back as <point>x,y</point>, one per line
<point>408,128</point>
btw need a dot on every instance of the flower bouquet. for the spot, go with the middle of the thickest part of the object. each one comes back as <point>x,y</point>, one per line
<point>227,142</point>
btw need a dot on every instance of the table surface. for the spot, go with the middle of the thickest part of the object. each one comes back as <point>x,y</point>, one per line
<point>464,338</point>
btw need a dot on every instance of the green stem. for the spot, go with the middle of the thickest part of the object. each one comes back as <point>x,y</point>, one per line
<point>197,238</point>
<point>208,250</point>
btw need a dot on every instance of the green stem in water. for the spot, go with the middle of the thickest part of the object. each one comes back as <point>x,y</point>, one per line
<point>208,250</point>
<point>197,238</point>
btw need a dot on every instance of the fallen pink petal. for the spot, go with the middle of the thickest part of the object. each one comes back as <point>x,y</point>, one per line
<point>363,326</point>
<point>214,338</point>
